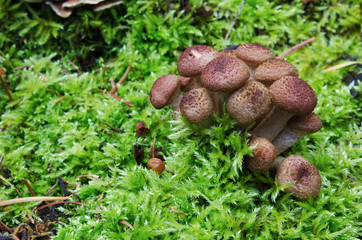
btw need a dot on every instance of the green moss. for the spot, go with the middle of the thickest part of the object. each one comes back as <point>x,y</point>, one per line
<point>43,139</point>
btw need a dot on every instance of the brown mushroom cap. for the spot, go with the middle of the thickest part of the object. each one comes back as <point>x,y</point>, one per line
<point>197,105</point>
<point>306,124</point>
<point>194,59</point>
<point>224,74</point>
<point>163,90</point>
<point>157,165</point>
<point>274,69</point>
<point>253,53</point>
<point>293,95</point>
<point>228,52</point>
<point>305,175</point>
<point>249,103</point>
<point>77,3</point>
<point>263,155</point>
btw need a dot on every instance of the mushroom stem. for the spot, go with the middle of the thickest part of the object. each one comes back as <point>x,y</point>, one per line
<point>272,124</point>
<point>286,139</point>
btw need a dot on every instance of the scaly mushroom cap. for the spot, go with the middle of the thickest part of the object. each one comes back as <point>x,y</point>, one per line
<point>253,53</point>
<point>263,155</point>
<point>194,59</point>
<point>224,74</point>
<point>306,124</point>
<point>305,175</point>
<point>163,90</point>
<point>227,52</point>
<point>249,103</point>
<point>274,69</point>
<point>197,105</point>
<point>293,95</point>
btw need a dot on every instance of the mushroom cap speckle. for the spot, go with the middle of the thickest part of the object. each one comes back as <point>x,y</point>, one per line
<point>274,69</point>
<point>194,59</point>
<point>249,103</point>
<point>293,95</point>
<point>305,175</point>
<point>163,89</point>
<point>264,155</point>
<point>197,105</point>
<point>306,124</point>
<point>225,74</point>
<point>228,52</point>
<point>253,53</point>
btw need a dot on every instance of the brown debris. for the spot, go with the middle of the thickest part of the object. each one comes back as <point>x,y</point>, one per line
<point>114,89</point>
<point>29,187</point>
<point>114,128</point>
<point>141,129</point>
<point>127,224</point>
<point>3,79</point>
<point>296,47</point>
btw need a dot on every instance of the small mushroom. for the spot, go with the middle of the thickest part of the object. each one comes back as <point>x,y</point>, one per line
<point>306,177</point>
<point>166,91</point>
<point>194,59</point>
<point>197,105</point>
<point>77,3</point>
<point>274,69</point>
<point>156,165</point>
<point>297,128</point>
<point>263,155</point>
<point>224,74</point>
<point>291,96</point>
<point>106,5</point>
<point>249,103</point>
<point>254,54</point>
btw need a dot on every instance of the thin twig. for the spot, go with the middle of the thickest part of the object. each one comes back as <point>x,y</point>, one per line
<point>19,68</point>
<point>339,66</point>
<point>114,128</point>
<point>90,177</point>
<point>113,84</point>
<point>2,158</point>
<point>234,21</point>
<point>14,236</point>
<point>122,79</point>
<point>4,227</point>
<point>5,180</point>
<point>296,47</point>
<point>178,212</point>
<point>59,99</point>
<point>71,63</point>
<point>29,187</point>
<point>43,77</point>
<point>127,224</point>
<point>56,203</point>
<point>64,70</point>
<point>51,189</point>
<point>118,98</point>
<point>2,73</point>
<point>170,171</point>
<point>31,199</point>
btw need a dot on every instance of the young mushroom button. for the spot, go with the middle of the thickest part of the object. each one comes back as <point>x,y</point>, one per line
<point>291,96</point>
<point>197,105</point>
<point>249,103</point>
<point>263,155</point>
<point>224,74</point>
<point>306,177</point>
<point>166,91</point>
<point>194,59</point>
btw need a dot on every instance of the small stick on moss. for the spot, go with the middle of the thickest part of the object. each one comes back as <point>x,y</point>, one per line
<point>339,66</point>
<point>234,21</point>
<point>20,68</point>
<point>127,224</point>
<point>296,47</point>
<point>118,98</point>
<point>90,177</point>
<point>64,70</point>
<point>113,84</point>
<point>73,192</point>
<point>4,227</point>
<point>3,79</point>
<point>2,158</point>
<point>114,128</point>
<point>56,203</point>
<point>178,212</point>
<point>122,79</point>
<point>51,189</point>
<point>29,187</point>
<point>9,183</point>
<point>13,236</point>
<point>43,77</point>
<point>31,199</point>
<point>41,235</point>
<point>59,99</point>
<point>170,171</point>
<point>76,67</point>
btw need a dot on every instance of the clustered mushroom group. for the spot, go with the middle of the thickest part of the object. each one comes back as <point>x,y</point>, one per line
<point>64,8</point>
<point>255,87</point>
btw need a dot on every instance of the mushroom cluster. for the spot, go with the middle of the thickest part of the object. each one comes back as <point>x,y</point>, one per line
<point>64,8</point>
<point>255,87</point>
